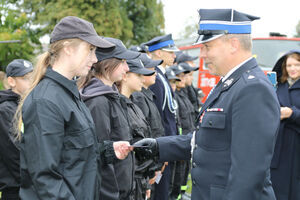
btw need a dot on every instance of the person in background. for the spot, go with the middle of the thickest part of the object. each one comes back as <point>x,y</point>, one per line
<point>100,94</point>
<point>18,78</point>
<point>232,149</point>
<point>145,101</point>
<point>188,63</point>
<point>285,166</point>
<point>187,118</point>
<point>163,48</point>
<point>59,151</point>
<point>131,82</point>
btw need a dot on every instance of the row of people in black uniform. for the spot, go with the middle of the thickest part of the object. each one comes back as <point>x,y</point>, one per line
<point>60,144</point>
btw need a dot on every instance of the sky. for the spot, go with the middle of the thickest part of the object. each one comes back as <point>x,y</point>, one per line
<point>275,15</point>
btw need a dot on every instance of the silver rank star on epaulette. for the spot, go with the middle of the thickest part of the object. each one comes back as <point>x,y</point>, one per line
<point>251,77</point>
<point>228,82</point>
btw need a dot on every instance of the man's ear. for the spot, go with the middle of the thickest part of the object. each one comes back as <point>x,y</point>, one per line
<point>234,45</point>
<point>11,82</point>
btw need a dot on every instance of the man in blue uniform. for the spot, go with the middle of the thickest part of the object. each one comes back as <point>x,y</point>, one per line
<point>163,48</point>
<point>232,149</point>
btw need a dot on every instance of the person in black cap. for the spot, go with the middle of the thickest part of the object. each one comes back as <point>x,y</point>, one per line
<point>139,127</point>
<point>100,94</point>
<point>190,91</point>
<point>145,101</point>
<point>232,148</point>
<point>285,166</point>
<point>163,48</point>
<point>186,116</point>
<point>59,150</point>
<point>183,57</point>
<point>18,78</point>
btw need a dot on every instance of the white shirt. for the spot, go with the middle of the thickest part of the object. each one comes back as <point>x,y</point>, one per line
<point>162,69</point>
<point>234,69</point>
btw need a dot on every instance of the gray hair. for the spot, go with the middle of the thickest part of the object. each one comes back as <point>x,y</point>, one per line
<point>245,40</point>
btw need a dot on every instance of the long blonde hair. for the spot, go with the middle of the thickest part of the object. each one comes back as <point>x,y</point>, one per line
<point>43,61</point>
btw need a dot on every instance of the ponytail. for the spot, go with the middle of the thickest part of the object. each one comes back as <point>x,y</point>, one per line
<point>39,71</point>
<point>43,61</point>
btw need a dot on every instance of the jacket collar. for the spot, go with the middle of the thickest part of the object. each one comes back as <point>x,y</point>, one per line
<point>148,93</point>
<point>63,81</point>
<point>296,85</point>
<point>231,80</point>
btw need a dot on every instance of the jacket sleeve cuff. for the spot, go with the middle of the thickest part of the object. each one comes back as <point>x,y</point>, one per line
<point>107,152</point>
<point>295,117</point>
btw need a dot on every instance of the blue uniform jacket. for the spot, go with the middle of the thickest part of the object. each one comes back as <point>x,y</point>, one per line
<point>168,118</point>
<point>235,141</point>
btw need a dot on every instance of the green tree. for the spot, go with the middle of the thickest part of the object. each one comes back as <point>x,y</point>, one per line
<point>298,30</point>
<point>190,30</point>
<point>147,17</point>
<point>111,18</point>
<point>14,26</point>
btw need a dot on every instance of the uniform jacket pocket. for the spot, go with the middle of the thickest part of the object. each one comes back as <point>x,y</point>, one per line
<point>213,120</point>
<point>216,192</point>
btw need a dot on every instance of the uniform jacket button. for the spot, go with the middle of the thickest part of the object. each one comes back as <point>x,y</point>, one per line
<point>210,123</point>
<point>194,165</point>
<point>196,146</point>
<point>194,182</point>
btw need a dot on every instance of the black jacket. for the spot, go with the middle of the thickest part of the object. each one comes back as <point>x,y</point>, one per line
<point>186,112</point>
<point>139,129</point>
<point>192,94</point>
<point>9,152</point>
<point>111,124</point>
<point>144,100</point>
<point>59,150</point>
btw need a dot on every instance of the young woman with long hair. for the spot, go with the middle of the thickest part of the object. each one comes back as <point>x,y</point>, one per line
<point>59,149</point>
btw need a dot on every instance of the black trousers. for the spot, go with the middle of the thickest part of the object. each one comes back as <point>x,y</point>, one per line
<point>10,194</point>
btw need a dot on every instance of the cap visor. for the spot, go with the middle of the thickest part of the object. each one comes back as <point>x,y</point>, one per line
<point>172,49</point>
<point>128,55</point>
<point>98,42</point>
<point>207,38</point>
<point>173,78</point>
<point>24,72</point>
<point>143,71</point>
<point>154,63</point>
<point>194,68</point>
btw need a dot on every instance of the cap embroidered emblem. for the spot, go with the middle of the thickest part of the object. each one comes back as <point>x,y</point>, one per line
<point>26,64</point>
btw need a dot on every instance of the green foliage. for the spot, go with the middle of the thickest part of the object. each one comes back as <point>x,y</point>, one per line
<point>14,26</point>
<point>132,21</point>
<point>298,30</point>
<point>147,17</point>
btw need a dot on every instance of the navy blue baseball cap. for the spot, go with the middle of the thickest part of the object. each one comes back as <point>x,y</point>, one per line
<point>217,22</point>
<point>18,68</point>
<point>183,57</point>
<point>120,51</point>
<point>187,67</point>
<point>164,42</point>
<point>148,62</point>
<point>137,66</point>
<point>178,69</point>
<point>142,48</point>
<point>171,75</point>
<point>75,27</point>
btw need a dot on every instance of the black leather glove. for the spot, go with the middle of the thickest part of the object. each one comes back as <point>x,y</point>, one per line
<point>146,149</point>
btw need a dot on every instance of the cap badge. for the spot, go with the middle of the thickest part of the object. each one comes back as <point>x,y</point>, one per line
<point>26,64</point>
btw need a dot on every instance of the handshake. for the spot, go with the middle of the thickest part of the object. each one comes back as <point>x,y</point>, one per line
<point>146,149</point>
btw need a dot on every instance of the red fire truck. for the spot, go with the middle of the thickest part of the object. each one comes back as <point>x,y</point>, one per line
<point>265,50</point>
